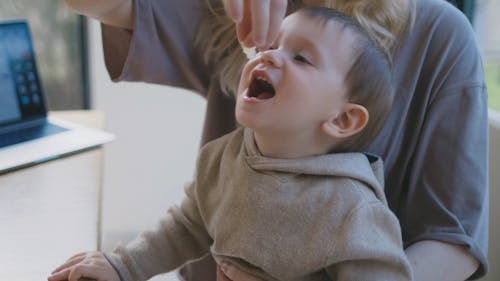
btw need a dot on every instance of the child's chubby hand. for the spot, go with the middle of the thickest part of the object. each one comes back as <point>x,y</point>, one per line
<point>91,265</point>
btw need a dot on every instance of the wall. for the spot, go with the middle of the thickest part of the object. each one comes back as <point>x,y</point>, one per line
<point>158,131</point>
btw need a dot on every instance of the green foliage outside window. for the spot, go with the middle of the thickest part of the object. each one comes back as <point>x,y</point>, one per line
<point>493,81</point>
<point>486,22</point>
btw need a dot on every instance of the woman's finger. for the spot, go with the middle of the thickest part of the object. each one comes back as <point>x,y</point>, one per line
<point>234,8</point>
<point>260,21</point>
<point>221,276</point>
<point>248,40</point>
<point>244,27</point>
<point>235,274</point>
<point>276,16</point>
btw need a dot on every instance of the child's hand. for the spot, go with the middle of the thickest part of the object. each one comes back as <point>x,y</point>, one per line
<point>91,265</point>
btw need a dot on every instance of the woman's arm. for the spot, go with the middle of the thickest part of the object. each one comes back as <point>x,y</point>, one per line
<point>430,260</point>
<point>435,260</point>
<point>117,13</point>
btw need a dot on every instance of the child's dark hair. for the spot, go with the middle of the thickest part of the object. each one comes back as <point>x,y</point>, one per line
<point>368,81</point>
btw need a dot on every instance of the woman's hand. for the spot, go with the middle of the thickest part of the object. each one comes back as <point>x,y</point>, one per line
<point>91,265</point>
<point>228,272</point>
<point>257,21</point>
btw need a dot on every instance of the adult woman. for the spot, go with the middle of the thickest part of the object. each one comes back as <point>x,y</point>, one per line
<point>434,143</point>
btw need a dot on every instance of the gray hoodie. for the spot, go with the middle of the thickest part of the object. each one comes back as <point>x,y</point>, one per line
<point>315,218</point>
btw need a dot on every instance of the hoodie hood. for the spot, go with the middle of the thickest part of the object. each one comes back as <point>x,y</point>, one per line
<point>355,165</point>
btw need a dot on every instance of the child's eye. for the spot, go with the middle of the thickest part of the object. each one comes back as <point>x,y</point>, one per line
<point>301,59</point>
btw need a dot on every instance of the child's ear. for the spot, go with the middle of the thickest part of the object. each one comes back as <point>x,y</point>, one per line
<point>350,121</point>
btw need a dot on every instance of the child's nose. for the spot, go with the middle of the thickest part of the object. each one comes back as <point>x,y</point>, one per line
<point>273,57</point>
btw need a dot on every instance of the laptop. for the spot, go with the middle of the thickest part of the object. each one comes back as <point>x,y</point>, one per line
<point>27,135</point>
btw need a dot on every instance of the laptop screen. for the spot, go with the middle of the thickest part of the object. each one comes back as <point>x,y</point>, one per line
<point>21,95</point>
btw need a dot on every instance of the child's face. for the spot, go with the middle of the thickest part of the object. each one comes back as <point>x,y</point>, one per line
<point>299,83</point>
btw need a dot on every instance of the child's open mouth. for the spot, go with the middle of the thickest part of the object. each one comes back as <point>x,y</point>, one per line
<point>260,89</point>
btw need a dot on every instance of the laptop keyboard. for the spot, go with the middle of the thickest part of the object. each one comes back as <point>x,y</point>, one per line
<point>30,133</point>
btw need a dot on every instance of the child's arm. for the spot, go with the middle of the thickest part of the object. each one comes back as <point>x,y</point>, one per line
<point>175,241</point>
<point>370,247</point>
<point>180,236</point>
<point>91,265</point>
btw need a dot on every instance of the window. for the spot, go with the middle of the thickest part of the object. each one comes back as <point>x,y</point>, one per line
<point>486,22</point>
<point>59,42</point>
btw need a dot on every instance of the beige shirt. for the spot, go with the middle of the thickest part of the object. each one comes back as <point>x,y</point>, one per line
<point>314,218</point>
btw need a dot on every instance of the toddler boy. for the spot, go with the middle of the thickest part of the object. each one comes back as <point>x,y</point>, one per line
<point>288,196</point>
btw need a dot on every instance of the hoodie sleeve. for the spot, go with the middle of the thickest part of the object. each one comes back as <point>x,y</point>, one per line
<point>179,236</point>
<point>369,247</point>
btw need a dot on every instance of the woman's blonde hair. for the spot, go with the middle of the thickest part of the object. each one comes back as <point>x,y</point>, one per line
<point>384,20</point>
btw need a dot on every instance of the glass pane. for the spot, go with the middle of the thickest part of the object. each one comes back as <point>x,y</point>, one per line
<point>59,50</point>
<point>486,23</point>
